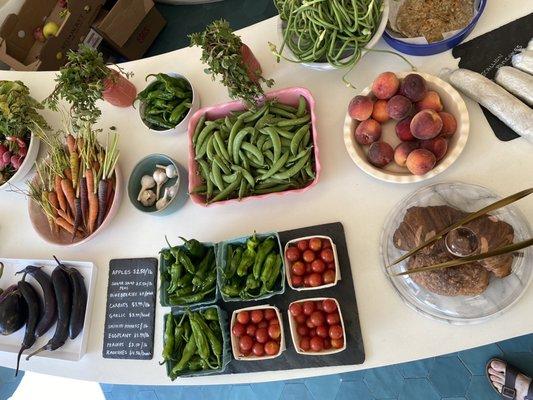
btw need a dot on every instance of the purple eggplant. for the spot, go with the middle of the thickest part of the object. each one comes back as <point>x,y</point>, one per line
<point>32,301</point>
<point>13,313</point>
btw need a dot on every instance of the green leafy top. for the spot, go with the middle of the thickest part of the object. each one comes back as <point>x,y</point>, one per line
<point>222,52</point>
<point>18,111</point>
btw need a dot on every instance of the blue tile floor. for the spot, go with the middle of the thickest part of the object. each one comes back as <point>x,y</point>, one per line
<point>458,376</point>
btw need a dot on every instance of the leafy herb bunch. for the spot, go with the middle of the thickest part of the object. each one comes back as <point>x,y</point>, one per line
<point>222,51</point>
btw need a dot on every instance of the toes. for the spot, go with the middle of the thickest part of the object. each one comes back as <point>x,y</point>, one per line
<point>492,371</point>
<point>498,365</point>
<point>497,379</point>
<point>498,387</point>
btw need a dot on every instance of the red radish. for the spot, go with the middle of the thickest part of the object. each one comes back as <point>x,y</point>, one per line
<point>16,161</point>
<point>23,151</point>
<point>6,157</point>
<point>253,68</point>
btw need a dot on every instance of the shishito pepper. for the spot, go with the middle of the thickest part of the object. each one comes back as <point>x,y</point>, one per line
<point>204,267</point>
<point>188,351</point>
<point>214,342</point>
<point>211,314</point>
<point>276,269</point>
<point>262,252</point>
<point>248,256</point>
<point>168,347</point>
<point>268,267</point>
<point>200,338</point>
<point>194,247</point>
<point>234,263</point>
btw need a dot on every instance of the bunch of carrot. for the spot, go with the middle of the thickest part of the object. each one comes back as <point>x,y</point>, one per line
<point>75,185</point>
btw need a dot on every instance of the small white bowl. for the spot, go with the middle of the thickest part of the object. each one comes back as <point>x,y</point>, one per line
<point>453,103</point>
<point>324,66</point>
<point>294,326</point>
<point>27,164</point>
<point>288,264</point>
<point>184,123</point>
<point>235,340</point>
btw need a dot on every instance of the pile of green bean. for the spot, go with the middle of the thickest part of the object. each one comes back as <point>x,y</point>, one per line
<point>333,31</point>
<point>254,152</point>
<point>192,342</point>
<point>252,269</point>
<point>167,100</point>
<point>190,272</point>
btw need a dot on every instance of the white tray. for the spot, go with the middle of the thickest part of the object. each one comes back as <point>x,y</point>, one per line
<point>72,350</point>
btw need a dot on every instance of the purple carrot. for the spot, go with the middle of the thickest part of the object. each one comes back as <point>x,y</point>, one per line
<point>84,201</point>
<point>77,216</point>
<point>102,197</point>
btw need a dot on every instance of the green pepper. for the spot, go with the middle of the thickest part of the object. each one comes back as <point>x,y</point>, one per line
<point>267,269</point>
<point>248,257</point>
<point>200,337</point>
<point>188,352</point>
<point>252,283</point>
<point>185,291</point>
<point>210,280</point>
<point>178,111</point>
<point>195,364</point>
<point>211,314</point>
<point>165,253</point>
<point>262,252</point>
<point>185,280</point>
<point>234,264</point>
<point>215,326</point>
<point>168,347</point>
<point>175,273</point>
<point>192,298</point>
<point>203,268</point>
<point>276,269</point>
<point>186,261</point>
<point>159,94</point>
<point>214,342</point>
<point>179,340</point>
<point>230,290</point>
<point>157,121</point>
<point>193,246</point>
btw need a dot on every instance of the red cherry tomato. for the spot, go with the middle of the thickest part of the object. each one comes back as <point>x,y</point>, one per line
<point>318,266</point>
<point>327,255</point>
<point>272,348</point>
<point>261,335</point>
<point>305,344</point>
<point>306,281</point>
<point>302,245</point>
<point>295,309</point>
<point>308,307</point>
<point>328,276</point>
<point>238,329</point>
<point>333,318</point>
<point>308,268</point>
<point>274,331</point>
<point>300,318</point>
<point>329,305</point>
<point>322,331</point>
<point>309,256</point>
<point>327,343</point>
<point>312,332</point>
<point>297,281</point>
<point>317,343</point>
<point>250,329</point>
<point>270,313</point>
<point>292,253</point>
<point>256,316</point>
<point>245,343</point>
<point>258,349</point>
<point>317,318</point>
<point>298,268</point>
<point>309,323</point>
<point>315,244</point>
<point>263,324</point>
<point>273,322</point>
<point>302,330</point>
<point>335,331</point>
<point>331,266</point>
<point>337,343</point>
<point>243,317</point>
<point>318,305</point>
<point>315,279</point>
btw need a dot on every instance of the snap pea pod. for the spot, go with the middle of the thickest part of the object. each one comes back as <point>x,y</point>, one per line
<point>228,190</point>
<point>298,136</point>
<point>296,168</point>
<point>238,141</point>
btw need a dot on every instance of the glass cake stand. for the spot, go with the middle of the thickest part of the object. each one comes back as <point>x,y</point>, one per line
<point>500,294</point>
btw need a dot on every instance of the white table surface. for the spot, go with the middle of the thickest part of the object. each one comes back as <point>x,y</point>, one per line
<point>392,332</point>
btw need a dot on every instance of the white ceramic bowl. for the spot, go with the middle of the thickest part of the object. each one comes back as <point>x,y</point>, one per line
<point>452,102</point>
<point>27,164</point>
<point>294,326</point>
<point>184,123</point>
<point>235,340</point>
<point>324,66</point>
<point>288,264</point>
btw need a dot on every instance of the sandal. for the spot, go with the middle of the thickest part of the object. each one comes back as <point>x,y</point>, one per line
<point>508,389</point>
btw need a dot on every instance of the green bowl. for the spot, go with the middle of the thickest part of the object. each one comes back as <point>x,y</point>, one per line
<point>147,166</point>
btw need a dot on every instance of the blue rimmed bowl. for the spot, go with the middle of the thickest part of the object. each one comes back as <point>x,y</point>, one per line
<point>437,47</point>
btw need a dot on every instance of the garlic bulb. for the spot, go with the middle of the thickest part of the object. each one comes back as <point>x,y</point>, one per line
<point>147,182</point>
<point>160,178</point>
<point>170,170</point>
<point>163,201</point>
<point>148,198</point>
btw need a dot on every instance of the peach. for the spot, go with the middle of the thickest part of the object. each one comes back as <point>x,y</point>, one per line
<point>413,87</point>
<point>420,161</point>
<point>380,154</point>
<point>385,85</point>
<point>380,113</point>
<point>360,108</point>
<point>402,151</point>
<point>426,125</point>
<point>399,107</point>
<point>449,124</point>
<point>403,130</point>
<point>431,101</point>
<point>367,132</point>
<point>438,146</point>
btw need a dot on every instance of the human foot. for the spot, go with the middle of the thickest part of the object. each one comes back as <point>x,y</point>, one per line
<point>510,383</point>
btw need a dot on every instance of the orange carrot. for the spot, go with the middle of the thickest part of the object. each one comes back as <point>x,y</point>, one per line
<point>66,226</point>
<point>71,143</point>
<point>93,201</point>
<point>53,199</point>
<point>65,216</point>
<point>68,190</point>
<point>60,195</point>
<point>68,173</point>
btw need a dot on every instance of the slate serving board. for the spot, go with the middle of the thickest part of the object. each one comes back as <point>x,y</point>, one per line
<point>130,309</point>
<point>486,53</point>
<point>344,292</point>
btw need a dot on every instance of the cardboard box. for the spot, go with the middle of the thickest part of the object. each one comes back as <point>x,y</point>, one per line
<point>20,50</point>
<point>130,26</point>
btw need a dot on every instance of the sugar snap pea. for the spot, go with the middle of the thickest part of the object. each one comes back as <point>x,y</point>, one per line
<point>238,141</point>
<point>296,168</point>
<point>299,135</point>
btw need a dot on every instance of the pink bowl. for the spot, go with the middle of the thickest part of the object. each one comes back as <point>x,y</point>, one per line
<point>288,96</point>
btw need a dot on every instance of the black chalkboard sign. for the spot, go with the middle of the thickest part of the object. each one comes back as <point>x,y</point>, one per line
<point>486,53</point>
<point>130,311</point>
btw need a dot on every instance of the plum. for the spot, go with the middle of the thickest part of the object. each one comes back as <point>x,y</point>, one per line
<point>449,124</point>
<point>399,107</point>
<point>385,85</point>
<point>360,108</point>
<point>426,125</point>
<point>438,146</point>
<point>367,132</point>
<point>403,130</point>
<point>380,154</point>
<point>402,151</point>
<point>413,87</point>
<point>420,161</point>
<point>431,101</point>
<point>380,113</point>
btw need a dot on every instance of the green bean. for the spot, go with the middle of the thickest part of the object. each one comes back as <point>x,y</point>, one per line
<point>295,142</point>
